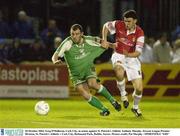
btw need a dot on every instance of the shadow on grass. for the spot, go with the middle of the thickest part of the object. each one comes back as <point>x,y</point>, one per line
<point>78,117</point>
<point>105,118</point>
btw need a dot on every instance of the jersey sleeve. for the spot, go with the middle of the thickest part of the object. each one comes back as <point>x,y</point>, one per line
<point>140,41</point>
<point>93,41</point>
<point>64,46</point>
<point>111,26</point>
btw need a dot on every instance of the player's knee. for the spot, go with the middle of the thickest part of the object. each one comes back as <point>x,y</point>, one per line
<point>140,88</point>
<point>138,92</point>
<point>93,85</point>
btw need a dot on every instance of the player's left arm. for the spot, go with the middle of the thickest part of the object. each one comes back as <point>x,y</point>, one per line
<point>132,55</point>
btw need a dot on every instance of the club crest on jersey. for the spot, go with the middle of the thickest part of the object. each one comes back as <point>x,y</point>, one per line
<point>125,41</point>
<point>81,51</point>
<point>81,54</point>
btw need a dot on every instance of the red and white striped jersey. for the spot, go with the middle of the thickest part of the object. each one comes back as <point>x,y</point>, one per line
<point>129,41</point>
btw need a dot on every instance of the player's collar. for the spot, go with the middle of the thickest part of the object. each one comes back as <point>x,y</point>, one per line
<point>132,32</point>
<point>81,44</point>
<point>83,40</point>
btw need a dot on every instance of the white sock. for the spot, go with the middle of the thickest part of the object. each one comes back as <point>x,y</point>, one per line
<point>137,99</point>
<point>121,86</point>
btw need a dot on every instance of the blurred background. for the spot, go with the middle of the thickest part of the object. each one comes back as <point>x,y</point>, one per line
<point>31,30</point>
<point>39,22</point>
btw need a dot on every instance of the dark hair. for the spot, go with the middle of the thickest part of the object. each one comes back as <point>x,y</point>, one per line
<point>130,14</point>
<point>76,27</point>
<point>163,34</point>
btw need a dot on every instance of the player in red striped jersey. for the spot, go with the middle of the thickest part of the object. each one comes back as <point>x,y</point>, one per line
<point>129,43</point>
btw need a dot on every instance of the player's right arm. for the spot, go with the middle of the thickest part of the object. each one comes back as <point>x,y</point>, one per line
<point>108,27</point>
<point>105,44</point>
<point>55,59</point>
<point>64,46</point>
<point>105,32</point>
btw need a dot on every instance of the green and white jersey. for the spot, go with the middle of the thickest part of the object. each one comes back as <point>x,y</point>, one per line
<point>80,57</point>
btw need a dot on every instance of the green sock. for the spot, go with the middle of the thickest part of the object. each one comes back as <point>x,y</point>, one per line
<point>96,103</point>
<point>104,92</point>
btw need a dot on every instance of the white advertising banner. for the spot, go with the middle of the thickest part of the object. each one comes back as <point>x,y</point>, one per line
<point>31,81</point>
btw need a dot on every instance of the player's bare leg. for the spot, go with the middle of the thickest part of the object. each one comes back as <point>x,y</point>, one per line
<point>92,100</point>
<point>119,71</point>
<point>137,95</point>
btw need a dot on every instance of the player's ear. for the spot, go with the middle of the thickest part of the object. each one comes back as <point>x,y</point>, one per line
<point>135,21</point>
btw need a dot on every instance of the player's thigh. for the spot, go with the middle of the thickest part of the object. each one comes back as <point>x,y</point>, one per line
<point>118,62</point>
<point>91,78</point>
<point>119,71</point>
<point>77,79</point>
<point>138,84</point>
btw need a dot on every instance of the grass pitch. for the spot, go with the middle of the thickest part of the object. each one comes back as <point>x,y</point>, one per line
<point>72,113</point>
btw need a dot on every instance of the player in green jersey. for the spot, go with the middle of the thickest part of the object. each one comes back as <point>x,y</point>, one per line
<point>79,52</point>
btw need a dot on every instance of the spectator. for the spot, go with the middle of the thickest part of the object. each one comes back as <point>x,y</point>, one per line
<point>162,51</point>
<point>5,31</point>
<point>176,33</point>
<point>36,52</point>
<point>57,42</point>
<point>151,41</point>
<point>48,36</point>
<point>23,27</point>
<point>16,53</point>
<point>176,55</point>
<point>3,53</point>
<point>147,52</point>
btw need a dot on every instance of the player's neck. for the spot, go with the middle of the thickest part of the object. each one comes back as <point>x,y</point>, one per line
<point>132,29</point>
<point>81,41</point>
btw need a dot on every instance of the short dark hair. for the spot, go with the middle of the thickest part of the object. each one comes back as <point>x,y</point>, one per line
<point>76,27</point>
<point>130,14</point>
<point>163,34</point>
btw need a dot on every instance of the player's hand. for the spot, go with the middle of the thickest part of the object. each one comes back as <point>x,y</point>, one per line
<point>104,44</point>
<point>58,62</point>
<point>125,52</point>
<point>113,45</point>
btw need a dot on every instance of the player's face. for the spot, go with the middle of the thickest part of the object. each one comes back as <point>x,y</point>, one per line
<point>76,35</point>
<point>130,23</point>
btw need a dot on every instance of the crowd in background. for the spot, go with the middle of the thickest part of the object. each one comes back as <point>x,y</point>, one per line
<point>161,50</point>
<point>23,41</point>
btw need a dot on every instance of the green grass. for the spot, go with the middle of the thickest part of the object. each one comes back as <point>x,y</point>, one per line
<point>72,113</point>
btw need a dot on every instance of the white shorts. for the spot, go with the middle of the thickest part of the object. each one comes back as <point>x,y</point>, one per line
<point>132,66</point>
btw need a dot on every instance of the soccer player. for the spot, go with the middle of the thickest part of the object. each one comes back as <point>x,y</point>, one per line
<point>79,52</point>
<point>129,43</point>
